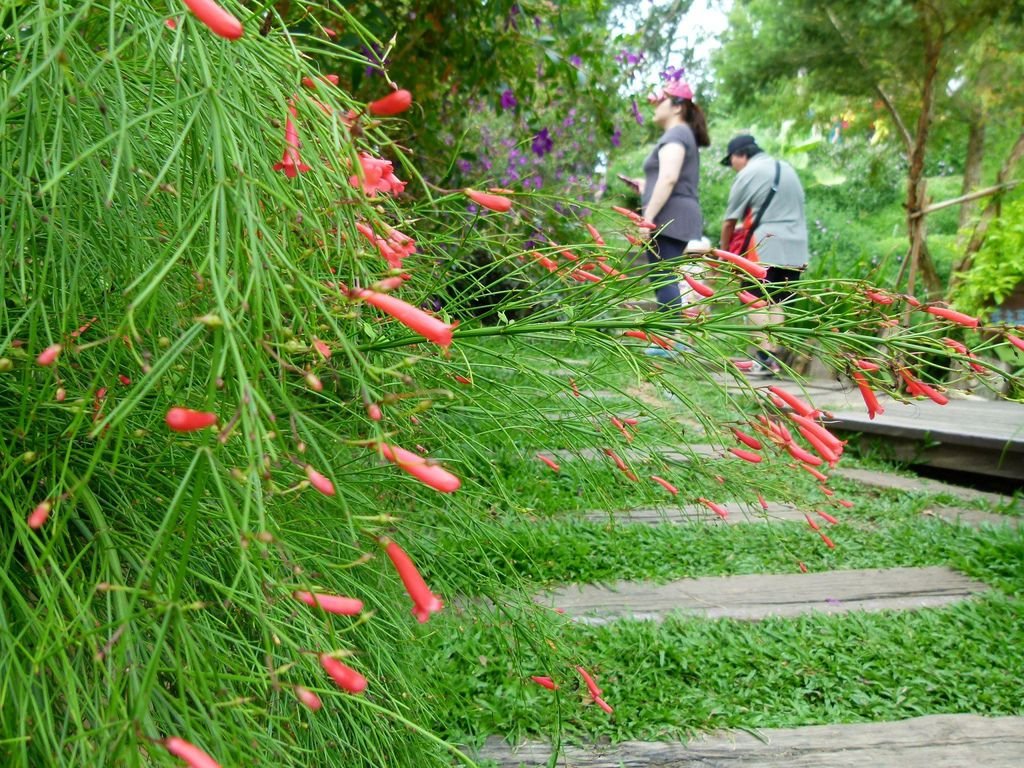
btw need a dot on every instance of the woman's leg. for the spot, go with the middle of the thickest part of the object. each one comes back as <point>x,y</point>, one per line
<point>662,252</point>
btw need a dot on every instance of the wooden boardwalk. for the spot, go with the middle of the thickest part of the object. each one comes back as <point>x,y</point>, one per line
<point>759,596</point>
<point>936,741</point>
<point>698,513</point>
<point>966,435</point>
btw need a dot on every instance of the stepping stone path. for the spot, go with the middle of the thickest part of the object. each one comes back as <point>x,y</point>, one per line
<point>698,513</point>
<point>758,596</point>
<point>889,481</point>
<point>935,741</point>
<point>938,741</point>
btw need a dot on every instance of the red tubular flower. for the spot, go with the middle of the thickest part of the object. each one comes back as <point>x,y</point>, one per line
<point>879,298</point>
<point>826,490</point>
<point>39,515</point>
<point>1015,340</point>
<point>549,462</point>
<point>291,163</point>
<point>743,365</point>
<point>632,215</point>
<point>824,450</point>
<point>187,420</point>
<point>591,683</point>
<point>312,84</point>
<point>751,268</point>
<point>497,203</point>
<point>698,287</point>
<point>582,276</point>
<point>343,675</point>
<point>718,509</point>
<point>827,540</point>
<point>548,264</point>
<point>665,484</point>
<point>953,316</point>
<point>546,682</point>
<point>603,704</point>
<point>394,103</point>
<point>190,753</point>
<point>827,516</point>
<point>430,474</point>
<point>751,300</point>
<point>616,458</point>
<point>376,176</point>
<point>803,568</point>
<point>631,421</point>
<point>866,365</point>
<point>794,402</point>
<point>753,458</point>
<point>414,318</point>
<point>575,389</point>
<point>633,240</point>
<point>868,394</point>
<point>747,440</point>
<point>803,455</point>
<point>762,502</point>
<point>594,234</point>
<point>308,698</point>
<point>219,21</point>
<point>49,355</point>
<point>424,601</point>
<point>810,522</point>
<point>917,387</point>
<point>318,481</point>
<point>374,412</point>
<point>617,423</point>
<point>833,442</point>
<point>567,254</point>
<point>845,503</point>
<point>610,271</point>
<point>342,606</point>
<point>813,472</point>
<point>322,349</point>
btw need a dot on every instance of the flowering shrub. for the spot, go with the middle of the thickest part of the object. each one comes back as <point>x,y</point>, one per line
<point>226,388</point>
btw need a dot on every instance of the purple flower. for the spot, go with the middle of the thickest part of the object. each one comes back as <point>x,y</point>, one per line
<point>617,137</point>
<point>673,73</point>
<point>508,99</point>
<point>463,165</point>
<point>636,114</point>
<point>575,60</point>
<point>542,142</point>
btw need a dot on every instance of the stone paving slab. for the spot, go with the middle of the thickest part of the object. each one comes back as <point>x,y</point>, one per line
<point>759,596</point>
<point>933,741</point>
<point>972,518</point>
<point>698,513</point>
<point>889,481</point>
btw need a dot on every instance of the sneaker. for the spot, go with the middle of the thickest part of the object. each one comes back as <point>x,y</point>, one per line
<point>766,365</point>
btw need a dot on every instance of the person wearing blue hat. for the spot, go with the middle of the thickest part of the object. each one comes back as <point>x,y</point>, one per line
<point>767,197</point>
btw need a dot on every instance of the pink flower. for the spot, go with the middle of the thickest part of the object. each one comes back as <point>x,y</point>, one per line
<point>376,176</point>
<point>549,462</point>
<point>546,682</point>
<point>665,484</point>
<point>424,601</point>
<point>219,21</point>
<point>39,515</point>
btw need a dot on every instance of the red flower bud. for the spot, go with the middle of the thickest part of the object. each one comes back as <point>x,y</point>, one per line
<point>547,682</point>
<point>953,316</point>
<point>342,606</point>
<point>665,484</point>
<point>190,753</point>
<point>216,18</point>
<point>187,420</point>
<point>39,515</point>
<point>751,268</point>
<point>49,355</point>
<point>549,462</point>
<point>318,481</point>
<point>496,203</point>
<point>718,509</point>
<point>343,675</point>
<point>424,601</point>
<point>702,288</point>
<point>308,698</point>
<point>394,103</point>
<point>435,476</point>
<point>753,458</point>
<point>412,317</point>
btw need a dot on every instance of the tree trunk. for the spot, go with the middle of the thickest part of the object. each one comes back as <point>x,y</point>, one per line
<point>918,257</point>
<point>972,166</point>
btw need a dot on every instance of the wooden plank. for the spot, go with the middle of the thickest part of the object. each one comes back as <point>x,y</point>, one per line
<point>933,741</point>
<point>889,481</point>
<point>992,462</point>
<point>698,513</point>
<point>759,596</point>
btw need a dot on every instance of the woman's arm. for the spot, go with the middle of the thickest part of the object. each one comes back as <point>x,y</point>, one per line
<point>670,165</point>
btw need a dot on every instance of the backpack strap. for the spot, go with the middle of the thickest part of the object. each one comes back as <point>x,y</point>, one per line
<point>760,213</point>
